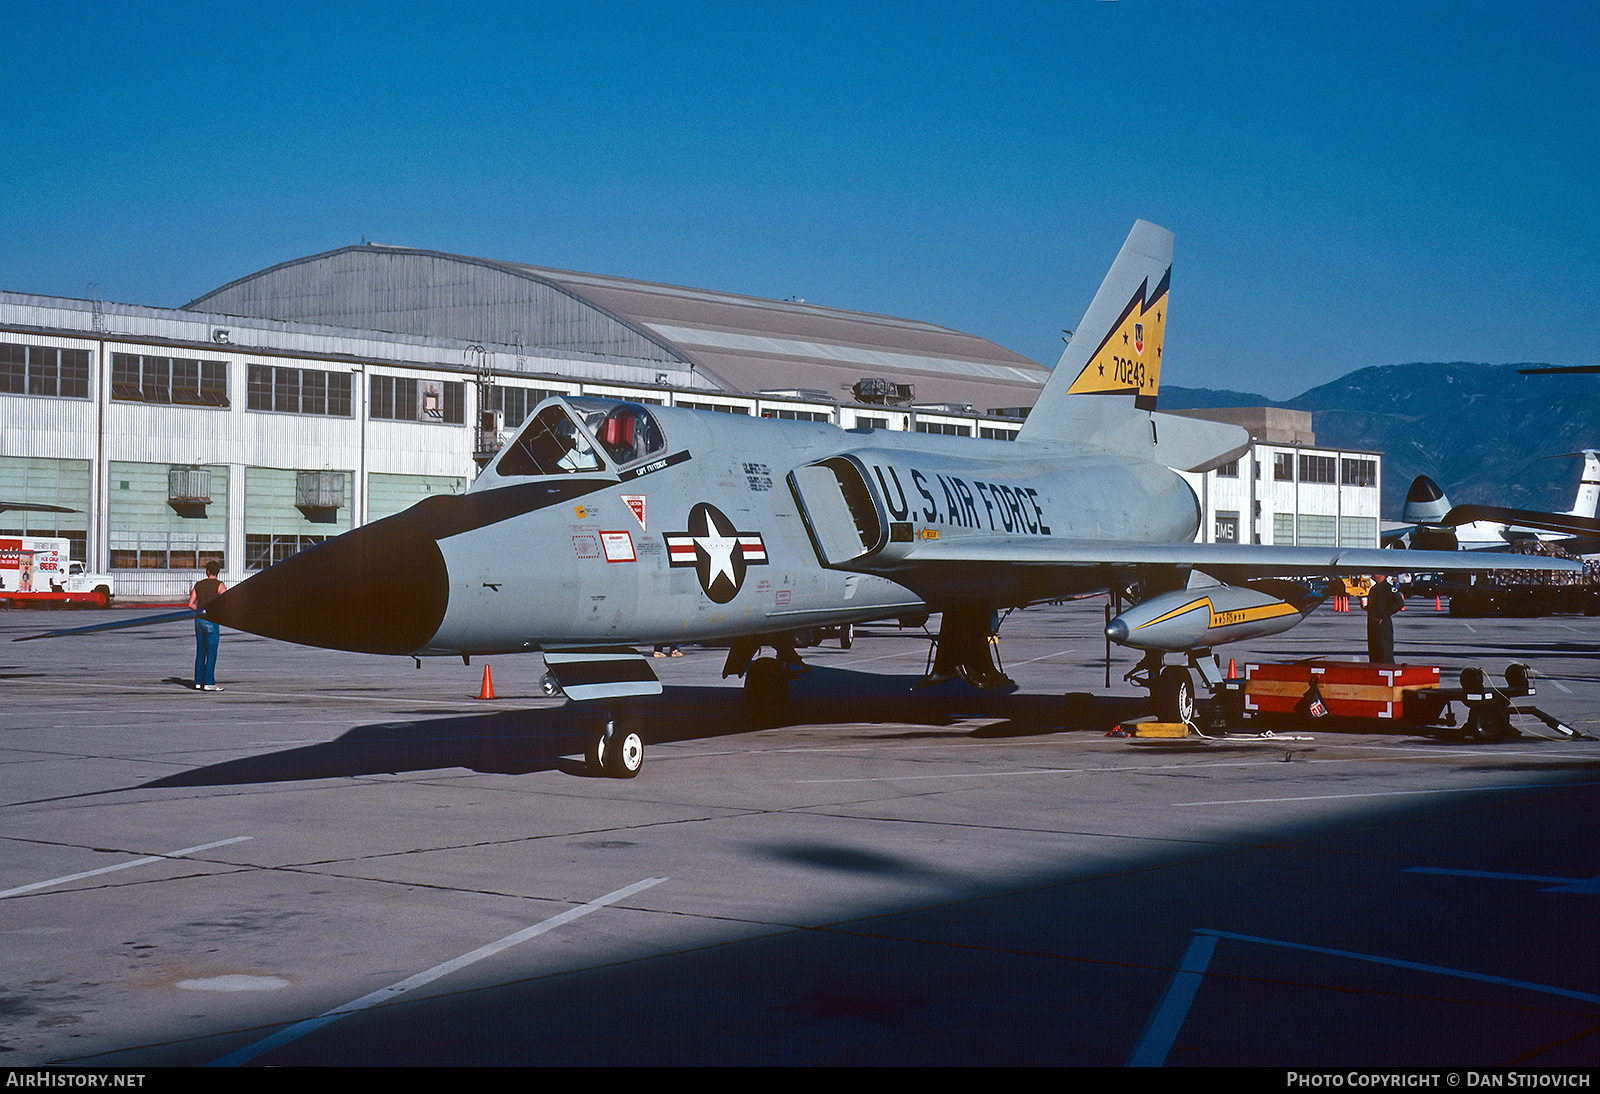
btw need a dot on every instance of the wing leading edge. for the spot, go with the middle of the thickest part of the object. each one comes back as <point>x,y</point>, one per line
<point>1006,569</point>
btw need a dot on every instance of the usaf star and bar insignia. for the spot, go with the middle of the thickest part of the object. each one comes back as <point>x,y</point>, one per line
<point>718,552</point>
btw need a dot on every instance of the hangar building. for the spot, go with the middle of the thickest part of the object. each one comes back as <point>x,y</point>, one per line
<point>333,390</point>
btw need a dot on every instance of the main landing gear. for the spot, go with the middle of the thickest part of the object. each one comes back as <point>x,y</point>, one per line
<point>1172,687</point>
<point>766,679</point>
<point>967,648</point>
<point>614,751</point>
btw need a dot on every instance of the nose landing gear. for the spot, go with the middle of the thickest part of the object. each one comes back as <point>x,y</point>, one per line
<point>614,751</point>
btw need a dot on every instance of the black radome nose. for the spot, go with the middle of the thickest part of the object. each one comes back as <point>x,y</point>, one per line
<point>379,589</point>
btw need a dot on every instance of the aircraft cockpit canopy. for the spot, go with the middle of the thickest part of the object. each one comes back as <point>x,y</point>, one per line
<point>627,431</point>
<point>553,443</point>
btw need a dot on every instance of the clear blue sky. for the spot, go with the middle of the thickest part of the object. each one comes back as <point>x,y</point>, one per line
<point>1351,184</point>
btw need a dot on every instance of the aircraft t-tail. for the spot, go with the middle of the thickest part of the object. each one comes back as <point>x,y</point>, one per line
<point>607,525</point>
<point>1431,523</point>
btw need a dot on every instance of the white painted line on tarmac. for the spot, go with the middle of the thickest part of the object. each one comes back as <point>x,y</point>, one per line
<point>1162,1029</point>
<point>1046,657</point>
<point>1560,685</point>
<point>421,979</point>
<point>121,866</point>
<point>1389,793</point>
<point>1110,770</point>
<point>909,655</point>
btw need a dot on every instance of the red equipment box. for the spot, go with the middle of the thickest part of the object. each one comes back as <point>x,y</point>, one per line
<point>1349,689</point>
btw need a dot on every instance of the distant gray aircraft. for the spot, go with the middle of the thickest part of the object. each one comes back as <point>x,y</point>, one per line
<point>605,525</point>
<point>1429,522</point>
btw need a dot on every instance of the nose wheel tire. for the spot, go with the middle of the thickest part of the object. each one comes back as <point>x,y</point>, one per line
<point>614,752</point>
<point>624,756</point>
<point>1174,695</point>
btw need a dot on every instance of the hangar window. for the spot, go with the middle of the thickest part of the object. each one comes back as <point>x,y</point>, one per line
<point>1358,531</point>
<point>516,403</point>
<point>44,370</point>
<point>1358,472</point>
<point>717,408</point>
<point>405,399</point>
<point>948,429</point>
<point>298,391</point>
<point>1317,469</point>
<point>261,551</point>
<point>551,444</point>
<point>797,415</point>
<point>1283,466</point>
<point>181,380</point>
<point>1229,470</point>
<point>1318,530</point>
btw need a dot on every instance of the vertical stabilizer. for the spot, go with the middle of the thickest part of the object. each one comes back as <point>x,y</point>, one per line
<point>1102,393</point>
<point>1116,351</point>
<point>1588,486</point>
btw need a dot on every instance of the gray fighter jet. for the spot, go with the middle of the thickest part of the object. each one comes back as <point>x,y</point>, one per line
<point>607,525</point>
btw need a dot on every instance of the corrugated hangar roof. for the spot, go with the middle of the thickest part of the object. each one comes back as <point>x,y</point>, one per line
<point>745,343</point>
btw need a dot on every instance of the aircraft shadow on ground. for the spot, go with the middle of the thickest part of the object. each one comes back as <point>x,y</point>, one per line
<point>1068,964</point>
<point>516,742</point>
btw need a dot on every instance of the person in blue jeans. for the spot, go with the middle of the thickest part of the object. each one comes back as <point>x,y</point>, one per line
<point>207,635</point>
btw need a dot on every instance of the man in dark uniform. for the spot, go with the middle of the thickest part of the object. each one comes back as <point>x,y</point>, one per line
<point>1382,602</point>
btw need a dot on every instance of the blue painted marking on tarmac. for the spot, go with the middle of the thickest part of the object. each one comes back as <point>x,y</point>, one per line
<point>1558,884</point>
<point>1416,966</point>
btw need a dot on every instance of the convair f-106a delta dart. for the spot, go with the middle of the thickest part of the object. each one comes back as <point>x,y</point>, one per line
<point>606,525</point>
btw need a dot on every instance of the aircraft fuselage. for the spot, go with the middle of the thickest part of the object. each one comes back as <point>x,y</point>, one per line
<point>730,527</point>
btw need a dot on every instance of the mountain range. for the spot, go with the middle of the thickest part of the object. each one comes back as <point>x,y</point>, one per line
<point>1484,433</point>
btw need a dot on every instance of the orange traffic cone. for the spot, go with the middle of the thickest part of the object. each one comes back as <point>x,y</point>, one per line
<point>487,691</point>
<point>1437,606</point>
<point>1233,673</point>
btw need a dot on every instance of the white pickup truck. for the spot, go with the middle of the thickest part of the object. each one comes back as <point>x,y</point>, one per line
<point>42,571</point>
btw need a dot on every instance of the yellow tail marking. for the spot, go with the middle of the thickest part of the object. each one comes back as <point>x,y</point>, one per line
<point>1128,359</point>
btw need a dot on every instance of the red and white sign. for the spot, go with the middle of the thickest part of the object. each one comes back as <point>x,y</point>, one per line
<point>635,504</point>
<point>618,546</point>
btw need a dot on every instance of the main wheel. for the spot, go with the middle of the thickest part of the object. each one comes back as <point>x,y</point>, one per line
<point>766,691</point>
<point>624,755</point>
<point>1173,695</point>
